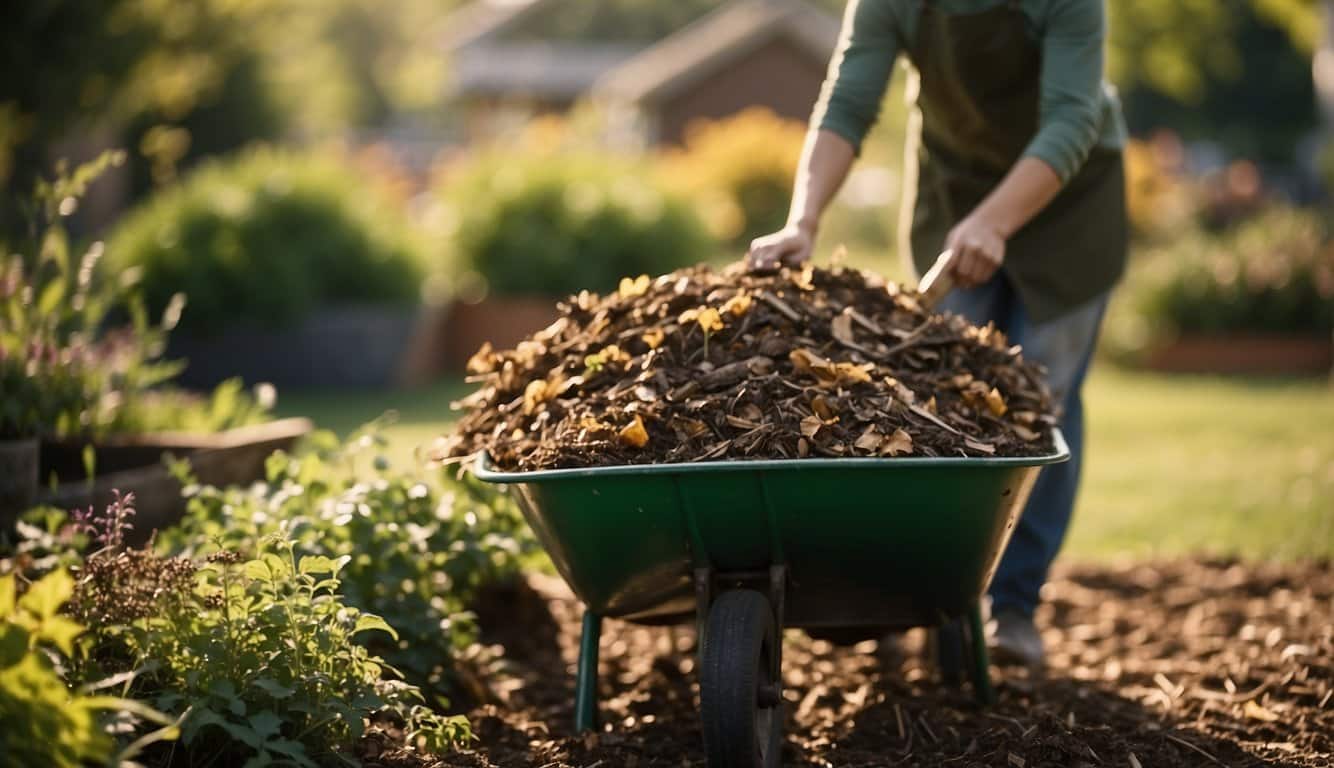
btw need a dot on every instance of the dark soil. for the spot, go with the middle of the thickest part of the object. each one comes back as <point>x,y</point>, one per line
<point>1169,664</point>
<point>700,365</point>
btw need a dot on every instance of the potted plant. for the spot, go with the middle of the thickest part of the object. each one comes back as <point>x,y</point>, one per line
<point>526,228</point>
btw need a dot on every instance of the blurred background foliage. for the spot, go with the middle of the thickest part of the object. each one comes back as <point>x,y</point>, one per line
<point>267,236</point>
<point>1220,93</point>
<point>545,217</point>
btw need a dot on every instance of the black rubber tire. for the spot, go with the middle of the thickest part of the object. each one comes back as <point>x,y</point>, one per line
<point>735,668</point>
<point>952,652</point>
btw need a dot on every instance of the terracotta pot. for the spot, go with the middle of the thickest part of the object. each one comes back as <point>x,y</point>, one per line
<point>18,477</point>
<point>503,320</point>
<point>134,463</point>
<point>1244,354</point>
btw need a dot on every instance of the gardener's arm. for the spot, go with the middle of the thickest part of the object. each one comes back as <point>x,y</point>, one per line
<point>848,107</point>
<point>1069,122</point>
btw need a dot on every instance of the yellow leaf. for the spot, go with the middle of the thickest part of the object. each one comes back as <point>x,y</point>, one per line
<point>634,434</point>
<point>1258,712</point>
<point>634,287</point>
<point>822,408</point>
<point>898,443</point>
<point>870,440</point>
<point>709,320</point>
<point>828,373</point>
<point>689,316</point>
<point>653,337</point>
<point>811,425</point>
<point>996,403</point>
<point>483,361</point>
<point>534,395</point>
<point>738,305</point>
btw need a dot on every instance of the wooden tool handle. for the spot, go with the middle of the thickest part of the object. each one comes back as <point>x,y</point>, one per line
<point>937,281</point>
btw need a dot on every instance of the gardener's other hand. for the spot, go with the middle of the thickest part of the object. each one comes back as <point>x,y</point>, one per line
<point>789,246</point>
<point>979,250</point>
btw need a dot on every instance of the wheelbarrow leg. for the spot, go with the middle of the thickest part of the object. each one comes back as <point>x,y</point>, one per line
<point>586,676</point>
<point>961,648</point>
<point>983,690</point>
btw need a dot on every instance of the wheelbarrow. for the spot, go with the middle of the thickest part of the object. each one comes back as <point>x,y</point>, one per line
<point>751,547</point>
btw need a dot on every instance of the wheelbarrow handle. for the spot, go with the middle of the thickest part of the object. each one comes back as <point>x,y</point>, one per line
<point>937,281</point>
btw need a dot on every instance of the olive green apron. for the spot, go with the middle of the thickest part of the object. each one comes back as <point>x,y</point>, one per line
<point>979,86</point>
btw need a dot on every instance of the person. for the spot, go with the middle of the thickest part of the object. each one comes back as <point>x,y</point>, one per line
<point>1014,163</point>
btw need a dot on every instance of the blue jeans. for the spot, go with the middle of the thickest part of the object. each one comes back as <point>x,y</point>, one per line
<point>1065,346</point>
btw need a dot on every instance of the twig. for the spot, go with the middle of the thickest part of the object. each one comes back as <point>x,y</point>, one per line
<point>1190,746</point>
<point>780,306</point>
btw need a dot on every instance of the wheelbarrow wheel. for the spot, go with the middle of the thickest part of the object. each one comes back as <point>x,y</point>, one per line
<point>740,699</point>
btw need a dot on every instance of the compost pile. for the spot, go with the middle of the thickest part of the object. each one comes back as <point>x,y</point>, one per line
<point>702,365</point>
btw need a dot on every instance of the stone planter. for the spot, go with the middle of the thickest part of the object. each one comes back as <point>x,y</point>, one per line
<point>337,348</point>
<point>135,464</point>
<point>1246,354</point>
<point>503,320</point>
<point>18,477</point>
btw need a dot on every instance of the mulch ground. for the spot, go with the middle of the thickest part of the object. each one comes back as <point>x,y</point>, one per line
<point>1165,664</point>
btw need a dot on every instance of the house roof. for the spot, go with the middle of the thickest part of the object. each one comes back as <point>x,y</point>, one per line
<point>713,42</point>
<point>551,70</point>
<point>494,53</point>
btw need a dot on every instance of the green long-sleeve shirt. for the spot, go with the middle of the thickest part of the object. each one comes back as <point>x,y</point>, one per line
<point>1077,109</point>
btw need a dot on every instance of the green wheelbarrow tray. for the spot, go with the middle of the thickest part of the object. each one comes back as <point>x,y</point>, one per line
<point>830,543</point>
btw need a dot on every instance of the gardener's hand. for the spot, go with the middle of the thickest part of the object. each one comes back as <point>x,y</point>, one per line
<point>979,250</point>
<point>789,246</point>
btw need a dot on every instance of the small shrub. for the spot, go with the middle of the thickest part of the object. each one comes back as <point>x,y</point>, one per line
<point>79,357</point>
<point>739,171</point>
<point>1273,273</point>
<point>415,551</point>
<point>266,238</point>
<point>550,224</point>
<point>258,654</point>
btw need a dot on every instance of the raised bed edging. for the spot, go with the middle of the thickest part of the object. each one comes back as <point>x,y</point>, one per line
<point>232,457</point>
<point>1252,354</point>
<point>18,475</point>
<point>336,348</point>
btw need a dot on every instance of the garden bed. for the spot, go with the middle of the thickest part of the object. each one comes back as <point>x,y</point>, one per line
<point>1184,663</point>
<point>135,464</point>
<point>1244,354</point>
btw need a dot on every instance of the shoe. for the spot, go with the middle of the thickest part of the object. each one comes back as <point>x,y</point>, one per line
<point>1016,641</point>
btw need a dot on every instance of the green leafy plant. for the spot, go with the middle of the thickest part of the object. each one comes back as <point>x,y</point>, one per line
<point>47,723</point>
<point>79,357</point>
<point>416,550</point>
<point>258,655</point>
<point>544,223</point>
<point>268,236</point>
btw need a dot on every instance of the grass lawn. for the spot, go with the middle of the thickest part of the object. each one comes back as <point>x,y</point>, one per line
<point>1174,464</point>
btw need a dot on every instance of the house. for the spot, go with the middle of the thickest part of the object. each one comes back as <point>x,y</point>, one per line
<point>653,67</point>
